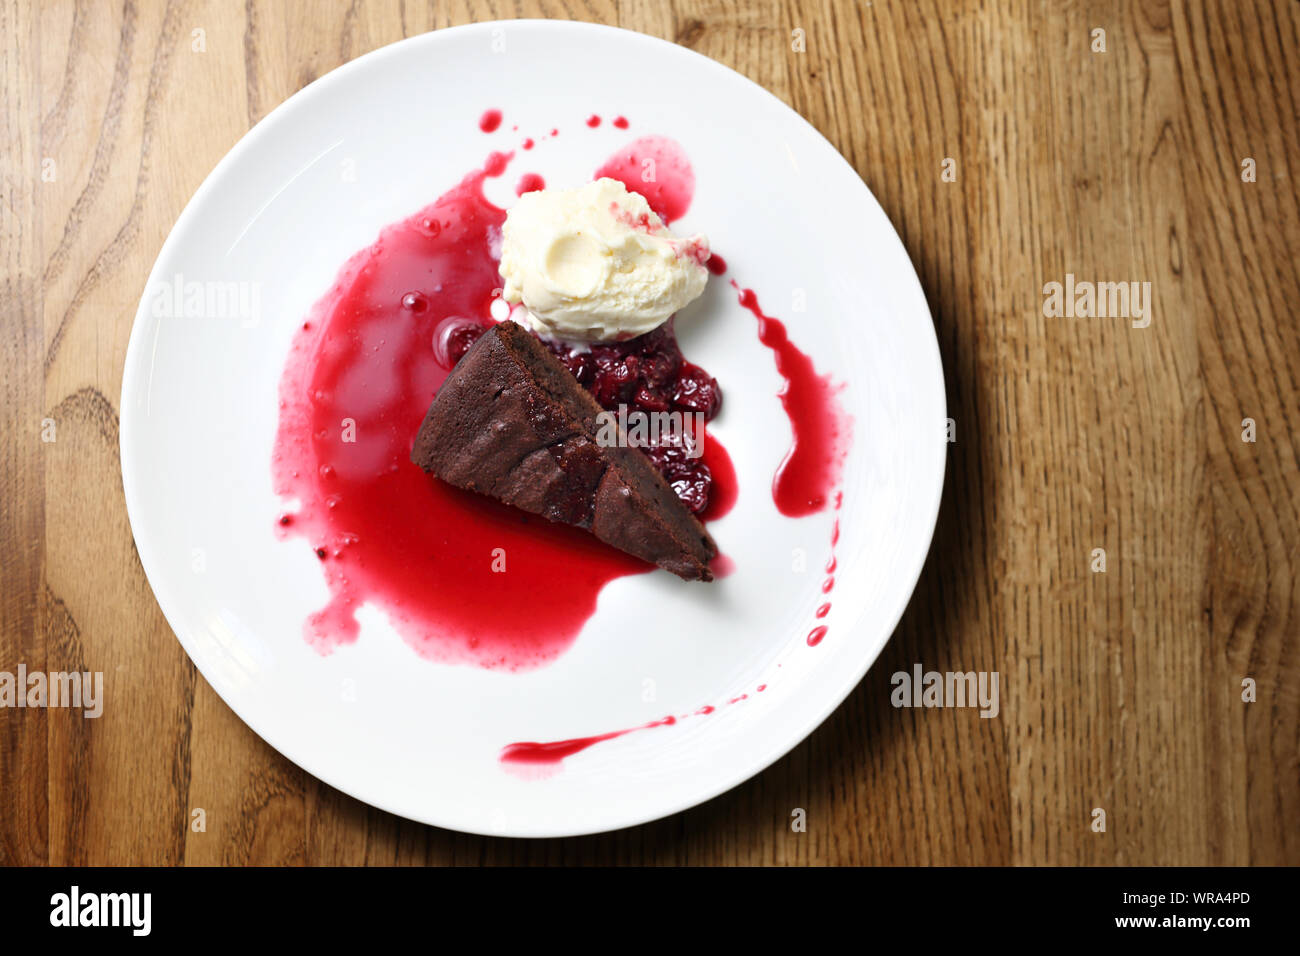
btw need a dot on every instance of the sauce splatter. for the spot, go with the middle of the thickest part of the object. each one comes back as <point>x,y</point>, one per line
<point>490,121</point>
<point>657,168</point>
<point>811,469</point>
<point>556,750</point>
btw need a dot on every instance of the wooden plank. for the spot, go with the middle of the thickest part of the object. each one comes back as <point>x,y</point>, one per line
<point>23,749</point>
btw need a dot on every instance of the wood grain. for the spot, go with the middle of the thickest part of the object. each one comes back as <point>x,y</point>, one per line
<point>1121,690</point>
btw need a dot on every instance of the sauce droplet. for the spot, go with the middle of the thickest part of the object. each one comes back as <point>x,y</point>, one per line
<point>529,182</point>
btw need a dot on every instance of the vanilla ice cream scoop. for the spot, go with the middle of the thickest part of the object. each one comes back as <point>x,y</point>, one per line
<point>596,263</point>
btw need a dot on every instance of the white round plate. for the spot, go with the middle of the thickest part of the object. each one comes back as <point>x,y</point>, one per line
<point>369,144</point>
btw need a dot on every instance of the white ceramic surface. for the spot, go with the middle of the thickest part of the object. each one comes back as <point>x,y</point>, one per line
<point>372,142</point>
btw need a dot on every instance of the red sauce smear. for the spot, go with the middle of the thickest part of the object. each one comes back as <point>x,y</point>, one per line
<point>722,496</point>
<point>529,182</point>
<point>552,753</point>
<point>490,121</point>
<point>657,168</point>
<point>555,751</point>
<point>811,469</point>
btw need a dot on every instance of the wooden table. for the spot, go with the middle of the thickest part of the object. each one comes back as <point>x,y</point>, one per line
<point>1121,690</point>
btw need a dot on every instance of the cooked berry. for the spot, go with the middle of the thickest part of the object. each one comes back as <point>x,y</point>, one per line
<point>648,374</point>
<point>694,489</point>
<point>460,340</point>
<point>690,477</point>
<point>651,399</point>
<point>698,391</point>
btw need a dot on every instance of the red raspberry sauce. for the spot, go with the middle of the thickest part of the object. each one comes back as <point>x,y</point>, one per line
<point>810,473</point>
<point>657,168</point>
